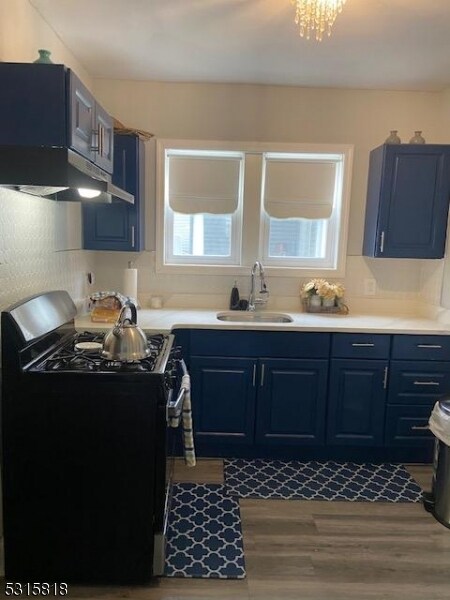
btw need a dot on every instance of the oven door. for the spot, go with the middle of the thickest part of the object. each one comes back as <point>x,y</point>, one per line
<point>169,421</point>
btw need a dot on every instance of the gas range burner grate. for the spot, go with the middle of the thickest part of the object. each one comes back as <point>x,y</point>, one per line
<point>146,364</point>
<point>70,358</point>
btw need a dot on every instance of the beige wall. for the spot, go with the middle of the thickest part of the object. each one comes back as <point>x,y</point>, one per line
<point>23,31</point>
<point>282,114</point>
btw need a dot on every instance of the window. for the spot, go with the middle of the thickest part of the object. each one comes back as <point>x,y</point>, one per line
<point>301,195</point>
<point>226,204</point>
<point>203,199</point>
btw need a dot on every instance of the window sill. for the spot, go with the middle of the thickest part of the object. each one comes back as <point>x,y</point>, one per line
<point>234,270</point>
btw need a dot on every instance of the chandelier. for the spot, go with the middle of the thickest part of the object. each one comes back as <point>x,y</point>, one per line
<point>316,15</point>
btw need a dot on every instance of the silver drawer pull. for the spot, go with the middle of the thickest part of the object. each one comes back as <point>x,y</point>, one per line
<point>419,428</point>
<point>363,345</point>
<point>426,383</point>
<point>254,375</point>
<point>437,346</point>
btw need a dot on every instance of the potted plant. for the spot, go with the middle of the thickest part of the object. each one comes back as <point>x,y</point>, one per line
<point>318,295</point>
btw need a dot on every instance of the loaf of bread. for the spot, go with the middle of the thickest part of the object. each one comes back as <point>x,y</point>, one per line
<point>104,315</point>
<point>106,306</point>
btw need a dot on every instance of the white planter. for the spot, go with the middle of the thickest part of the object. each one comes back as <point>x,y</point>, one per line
<point>315,301</point>
<point>328,302</point>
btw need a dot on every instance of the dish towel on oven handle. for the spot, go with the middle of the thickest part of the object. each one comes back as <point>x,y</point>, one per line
<point>186,416</point>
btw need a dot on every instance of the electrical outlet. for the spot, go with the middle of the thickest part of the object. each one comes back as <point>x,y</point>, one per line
<point>370,287</point>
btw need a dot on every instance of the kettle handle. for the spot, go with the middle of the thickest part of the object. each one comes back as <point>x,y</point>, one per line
<point>117,329</point>
<point>133,310</point>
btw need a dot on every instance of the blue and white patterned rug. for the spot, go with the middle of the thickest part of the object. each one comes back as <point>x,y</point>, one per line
<point>204,537</point>
<point>319,481</point>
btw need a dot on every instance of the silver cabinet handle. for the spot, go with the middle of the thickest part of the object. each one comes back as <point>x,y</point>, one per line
<point>102,141</point>
<point>95,145</point>
<point>429,346</point>
<point>382,242</point>
<point>385,377</point>
<point>132,236</point>
<point>426,383</point>
<point>254,375</point>
<point>261,383</point>
<point>419,428</point>
<point>363,345</point>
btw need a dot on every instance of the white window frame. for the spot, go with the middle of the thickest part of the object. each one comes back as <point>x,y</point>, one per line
<point>254,221</point>
<point>172,260</point>
<point>332,225</point>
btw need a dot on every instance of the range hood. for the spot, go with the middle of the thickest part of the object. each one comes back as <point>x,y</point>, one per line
<point>57,173</point>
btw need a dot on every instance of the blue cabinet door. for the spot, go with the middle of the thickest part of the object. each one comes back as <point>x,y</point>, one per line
<point>407,201</point>
<point>291,401</point>
<point>223,399</point>
<point>82,133</point>
<point>104,128</point>
<point>91,127</point>
<point>357,399</point>
<point>119,225</point>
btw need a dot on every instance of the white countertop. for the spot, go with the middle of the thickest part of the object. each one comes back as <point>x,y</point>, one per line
<point>165,320</point>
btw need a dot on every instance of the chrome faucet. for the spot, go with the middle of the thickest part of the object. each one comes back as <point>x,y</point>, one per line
<point>263,297</point>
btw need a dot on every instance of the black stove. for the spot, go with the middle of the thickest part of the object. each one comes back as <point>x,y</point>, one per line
<point>86,460</point>
<point>69,358</point>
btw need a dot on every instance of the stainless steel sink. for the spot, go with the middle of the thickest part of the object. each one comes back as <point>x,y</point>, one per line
<point>254,317</point>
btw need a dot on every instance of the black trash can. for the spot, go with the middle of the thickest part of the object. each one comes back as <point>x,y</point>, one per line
<point>438,501</point>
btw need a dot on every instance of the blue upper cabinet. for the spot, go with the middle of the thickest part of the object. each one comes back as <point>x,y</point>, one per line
<point>407,201</point>
<point>119,225</point>
<point>47,105</point>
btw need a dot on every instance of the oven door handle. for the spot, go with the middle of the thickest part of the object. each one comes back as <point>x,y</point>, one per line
<point>174,408</point>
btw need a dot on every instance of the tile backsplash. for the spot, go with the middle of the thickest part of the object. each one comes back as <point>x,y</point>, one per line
<point>397,281</point>
<point>40,243</point>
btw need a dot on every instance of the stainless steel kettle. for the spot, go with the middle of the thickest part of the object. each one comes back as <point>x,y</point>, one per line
<point>126,342</point>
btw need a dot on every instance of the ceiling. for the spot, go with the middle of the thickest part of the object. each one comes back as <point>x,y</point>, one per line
<point>375,44</point>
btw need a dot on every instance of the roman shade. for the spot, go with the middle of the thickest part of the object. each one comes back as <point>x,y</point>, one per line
<point>204,184</point>
<point>299,188</point>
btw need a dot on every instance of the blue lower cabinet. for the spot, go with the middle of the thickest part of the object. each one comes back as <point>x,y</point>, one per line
<point>224,392</point>
<point>408,426</point>
<point>291,402</point>
<point>356,402</point>
<point>418,382</point>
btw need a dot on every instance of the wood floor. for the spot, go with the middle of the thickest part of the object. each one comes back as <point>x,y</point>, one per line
<point>312,550</point>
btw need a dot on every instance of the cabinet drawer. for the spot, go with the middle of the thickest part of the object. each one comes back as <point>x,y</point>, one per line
<point>269,344</point>
<point>360,345</point>
<point>418,382</point>
<point>404,426</point>
<point>421,347</point>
